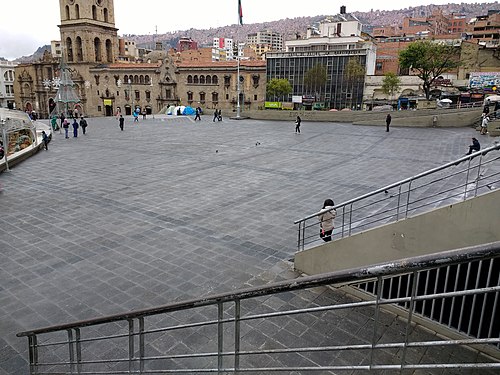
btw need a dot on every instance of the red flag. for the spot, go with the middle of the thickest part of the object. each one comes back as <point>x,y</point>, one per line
<point>240,13</point>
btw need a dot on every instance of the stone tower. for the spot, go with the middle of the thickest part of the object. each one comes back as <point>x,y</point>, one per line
<point>88,33</point>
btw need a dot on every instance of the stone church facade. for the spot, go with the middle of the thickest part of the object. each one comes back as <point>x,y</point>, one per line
<point>105,83</point>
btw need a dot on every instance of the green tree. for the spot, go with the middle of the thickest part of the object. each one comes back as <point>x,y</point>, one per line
<point>390,84</point>
<point>430,60</point>
<point>315,79</point>
<point>354,71</point>
<point>278,88</point>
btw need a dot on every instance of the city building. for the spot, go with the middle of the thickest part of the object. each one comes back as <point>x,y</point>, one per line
<point>485,29</point>
<point>222,49</point>
<point>215,84</point>
<point>435,24</point>
<point>185,44</point>
<point>338,45</point>
<point>110,75</point>
<point>265,41</point>
<point>7,76</point>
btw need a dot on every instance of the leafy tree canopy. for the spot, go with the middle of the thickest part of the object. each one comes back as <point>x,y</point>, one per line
<point>390,84</point>
<point>315,78</point>
<point>354,69</point>
<point>278,87</point>
<point>429,60</point>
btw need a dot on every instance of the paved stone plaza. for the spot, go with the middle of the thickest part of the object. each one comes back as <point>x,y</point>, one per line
<point>170,209</point>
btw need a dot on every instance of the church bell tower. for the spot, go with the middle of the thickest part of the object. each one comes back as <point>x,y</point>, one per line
<point>88,32</point>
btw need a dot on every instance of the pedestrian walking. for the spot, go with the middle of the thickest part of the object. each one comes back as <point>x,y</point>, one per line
<point>75,128</point>
<point>388,120</point>
<point>219,117</point>
<point>216,114</point>
<point>484,124</point>
<point>83,124</point>
<point>45,140</point>
<point>65,125</point>
<point>198,113</point>
<point>136,116</point>
<point>326,217</point>
<point>144,114</point>
<point>53,123</point>
<point>298,120</point>
<point>62,117</point>
<point>121,121</point>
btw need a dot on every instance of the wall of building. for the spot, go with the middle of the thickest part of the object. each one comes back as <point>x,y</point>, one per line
<point>468,223</point>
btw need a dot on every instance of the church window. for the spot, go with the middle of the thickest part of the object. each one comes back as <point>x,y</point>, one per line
<point>69,49</point>
<point>67,12</point>
<point>94,12</point>
<point>106,15</point>
<point>79,49</point>
<point>147,80</point>
<point>97,50</point>
<point>141,79</point>
<point>190,79</point>
<point>195,79</point>
<point>109,51</point>
<point>77,11</point>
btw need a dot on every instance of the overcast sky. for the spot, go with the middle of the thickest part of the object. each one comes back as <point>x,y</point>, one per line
<point>29,24</point>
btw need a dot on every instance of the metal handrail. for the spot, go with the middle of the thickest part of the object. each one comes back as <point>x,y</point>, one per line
<point>401,208</point>
<point>230,314</point>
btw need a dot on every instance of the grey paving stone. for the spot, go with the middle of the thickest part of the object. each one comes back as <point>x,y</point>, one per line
<point>115,221</point>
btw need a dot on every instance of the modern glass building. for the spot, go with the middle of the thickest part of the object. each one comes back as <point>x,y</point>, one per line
<point>338,46</point>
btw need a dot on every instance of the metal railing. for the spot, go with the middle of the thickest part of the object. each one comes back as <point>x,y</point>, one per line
<point>295,326</point>
<point>450,183</point>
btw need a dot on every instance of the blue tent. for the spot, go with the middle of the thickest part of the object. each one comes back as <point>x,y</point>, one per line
<point>188,111</point>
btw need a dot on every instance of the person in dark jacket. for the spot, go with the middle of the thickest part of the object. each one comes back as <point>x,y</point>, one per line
<point>83,124</point>
<point>45,140</point>
<point>475,146</point>
<point>388,120</point>
<point>121,121</point>
<point>298,120</point>
<point>75,128</point>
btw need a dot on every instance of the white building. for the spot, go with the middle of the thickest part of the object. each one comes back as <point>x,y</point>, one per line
<point>222,49</point>
<point>7,78</point>
<point>264,41</point>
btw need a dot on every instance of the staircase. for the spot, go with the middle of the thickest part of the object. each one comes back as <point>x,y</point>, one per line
<point>450,183</point>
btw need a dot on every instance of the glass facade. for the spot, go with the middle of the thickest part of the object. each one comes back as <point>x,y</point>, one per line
<point>340,90</point>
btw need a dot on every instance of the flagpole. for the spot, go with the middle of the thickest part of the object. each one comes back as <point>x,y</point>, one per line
<point>240,22</point>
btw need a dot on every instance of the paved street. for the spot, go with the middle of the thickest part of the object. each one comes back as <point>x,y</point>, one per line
<point>170,209</point>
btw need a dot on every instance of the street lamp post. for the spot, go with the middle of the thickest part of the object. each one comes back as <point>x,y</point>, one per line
<point>130,90</point>
<point>238,109</point>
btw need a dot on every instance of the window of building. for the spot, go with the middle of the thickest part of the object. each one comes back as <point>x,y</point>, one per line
<point>137,95</point>
<point>202,80</point>
<point>202,97</point>
<point>67,12</point>
<point>168,93</point>
<point>94,12</point>
<point>190,96</point>
<point>215,80</point>
<point>148,95</point>
<point>215,97</point>
<point>227,80</point>
<point>209,80</point>
<point>255,97</point>
<point>227,96</point>
<point>106,15</point>
<point>378,66</point>
<point>195,80</point>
